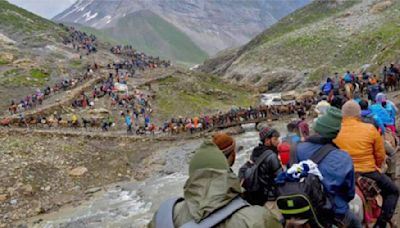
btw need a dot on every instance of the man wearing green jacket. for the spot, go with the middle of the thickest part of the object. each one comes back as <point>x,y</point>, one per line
<point>212,186</point>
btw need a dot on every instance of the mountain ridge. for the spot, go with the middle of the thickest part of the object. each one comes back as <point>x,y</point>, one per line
<point>212,25</point>
<point>314,42</point>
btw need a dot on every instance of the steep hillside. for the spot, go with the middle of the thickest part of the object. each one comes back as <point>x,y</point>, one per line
<point>212,25</point>
<point>32,54</point>
<point>154,35</point>
<point>313,42</point>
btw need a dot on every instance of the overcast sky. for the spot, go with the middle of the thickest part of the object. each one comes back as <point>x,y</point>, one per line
<point>44,8</point>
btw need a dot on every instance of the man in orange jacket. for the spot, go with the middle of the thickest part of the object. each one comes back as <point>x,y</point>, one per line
<point>365,146</point>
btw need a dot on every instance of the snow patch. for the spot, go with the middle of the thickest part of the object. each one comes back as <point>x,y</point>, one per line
<point>79,6</point>
<point>108,19</point>
<point>89,17</point>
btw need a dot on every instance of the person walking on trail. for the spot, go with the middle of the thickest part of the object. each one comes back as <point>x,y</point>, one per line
<point>336,168</point>
<point>327,88</point>
<point>269,167</point>
<point>128,122</point>
<point>289,143</point>
<point>210,189</point>
<point>303,126</point>
<point>366,147</point>
<point>322,106</point>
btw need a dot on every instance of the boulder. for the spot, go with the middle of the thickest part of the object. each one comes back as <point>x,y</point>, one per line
<point>78,171</point>
<point>27,190</point>
<point>305,95</point>
<point>3,197</point>
<point>289,96</point>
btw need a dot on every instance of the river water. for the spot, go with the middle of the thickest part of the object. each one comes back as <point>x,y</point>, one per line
<point>132,204</point>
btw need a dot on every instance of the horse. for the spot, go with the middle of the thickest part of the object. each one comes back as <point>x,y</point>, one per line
<point>391,82</point>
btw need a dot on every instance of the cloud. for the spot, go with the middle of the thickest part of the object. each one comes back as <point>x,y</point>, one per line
<point>44,8</point>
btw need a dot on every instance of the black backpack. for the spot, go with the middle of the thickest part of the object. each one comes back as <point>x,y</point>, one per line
<point>306,199</point>
<point>248,174</point>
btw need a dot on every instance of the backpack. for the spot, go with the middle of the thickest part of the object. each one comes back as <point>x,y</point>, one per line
<point>248,174</point>
<point>306,199</point>
<point>164,217</point>
<point>327,87</point>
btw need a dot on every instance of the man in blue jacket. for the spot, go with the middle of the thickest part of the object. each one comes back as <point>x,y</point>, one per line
<point>336,168</point>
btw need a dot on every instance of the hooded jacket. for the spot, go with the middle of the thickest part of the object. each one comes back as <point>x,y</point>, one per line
<point>208,190</point>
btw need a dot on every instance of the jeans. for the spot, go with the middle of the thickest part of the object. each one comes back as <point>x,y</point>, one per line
<point>390,194</point>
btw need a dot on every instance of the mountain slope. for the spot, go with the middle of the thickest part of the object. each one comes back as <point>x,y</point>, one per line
<point>212,25</point>
<point>313,42</point>
<point>157,37</point>
<point>32,54</point>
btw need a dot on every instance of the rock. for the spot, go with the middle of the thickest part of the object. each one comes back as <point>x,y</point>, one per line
<point>13,201</point>
<point>3,197</point>
<point>78,171</point>
<point>27,190</point>
<point>6,57</point>
<point>92,190</point>
<point>288,96</point>
<point>305,95</point>
<point>47,188</point>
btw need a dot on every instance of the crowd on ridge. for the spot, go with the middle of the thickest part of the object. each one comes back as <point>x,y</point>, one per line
<point>135,60</point>
<point>80,41</point>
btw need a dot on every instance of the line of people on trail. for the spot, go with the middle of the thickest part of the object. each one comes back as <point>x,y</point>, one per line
<point>356,85</point>
<point>80,40</point>
<point>333,177</point>
<point>135,60</point>
<point>37,98</point>
<point>236,115</point>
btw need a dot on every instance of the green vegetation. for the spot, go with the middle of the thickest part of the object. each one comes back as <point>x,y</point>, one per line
<point>193,94</point>
<point>76,63</point>
<point>314,12</point>
<point>20,77</point>
<point>151,34</point>
<point>22,21</point>
<point>3,62</point>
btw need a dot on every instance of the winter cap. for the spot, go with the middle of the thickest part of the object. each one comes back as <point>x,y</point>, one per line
<point>351,109</point>
<point>224,142</point>
<point>267,133</point>
<point>208,156</point>
<point>328,125</point>
<point>380,98</point>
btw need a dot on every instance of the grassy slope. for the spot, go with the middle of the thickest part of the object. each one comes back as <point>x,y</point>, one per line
<point>150,33</point>
<point>189,94</point>
<point>311,40</point>
<point>19,22</point>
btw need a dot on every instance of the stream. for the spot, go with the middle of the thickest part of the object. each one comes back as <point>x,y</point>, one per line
<point>132,204</point>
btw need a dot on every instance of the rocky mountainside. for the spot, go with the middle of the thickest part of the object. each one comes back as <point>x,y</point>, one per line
<point>32,54</point>
<point>212,25</point>
<point>313,42</point>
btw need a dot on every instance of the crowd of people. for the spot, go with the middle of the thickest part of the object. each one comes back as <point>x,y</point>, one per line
<point>135,60</point>
<point>304,178</point>
<point>80,41</point>
<point>37,98</point>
